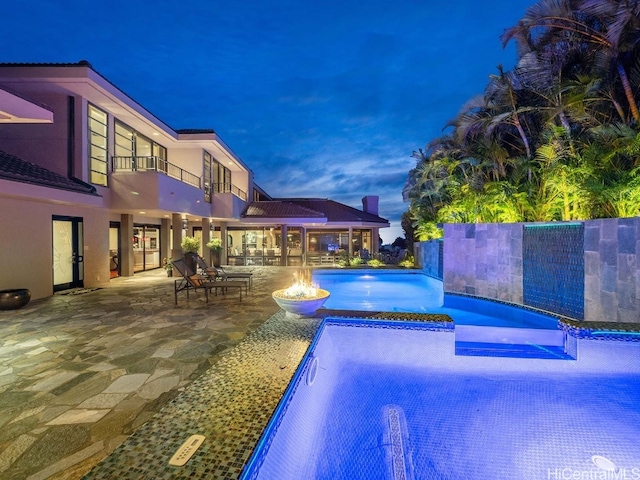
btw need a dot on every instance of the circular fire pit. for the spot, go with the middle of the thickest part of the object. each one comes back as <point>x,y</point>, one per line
<point>299,305</point>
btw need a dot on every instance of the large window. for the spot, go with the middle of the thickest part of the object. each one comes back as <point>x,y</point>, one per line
<point>221,178</point>
<point>98,146</point>
<point>207,177</point>
<point>142,152</point>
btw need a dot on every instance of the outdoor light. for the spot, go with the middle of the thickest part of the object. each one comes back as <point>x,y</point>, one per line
<point>185,224</point>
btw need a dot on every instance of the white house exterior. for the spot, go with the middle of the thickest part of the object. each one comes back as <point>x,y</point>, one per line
<point>93,185</point>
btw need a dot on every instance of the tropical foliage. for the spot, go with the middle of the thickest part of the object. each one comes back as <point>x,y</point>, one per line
<point>557,138</point>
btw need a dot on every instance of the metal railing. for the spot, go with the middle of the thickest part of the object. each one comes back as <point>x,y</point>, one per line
<point>155,164</point>
<point>229,188</point>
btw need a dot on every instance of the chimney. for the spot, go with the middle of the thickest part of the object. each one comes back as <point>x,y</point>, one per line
<point>370,204</point>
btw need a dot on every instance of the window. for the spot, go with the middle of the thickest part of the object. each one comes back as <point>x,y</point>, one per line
<point>141,152</point>
<point>221,178</point>
<point>98,146</point>
<point>207,177</point>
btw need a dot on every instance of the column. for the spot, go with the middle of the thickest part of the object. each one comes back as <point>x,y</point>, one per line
<point>126,245</point>
<point>165,239</point>
<point>303,244</point>
<point>350,242</point>
<point>176,221</point>
<point>284,246</point>
<point>375,243</point>
<point>206,236</point>
<point>224,255</point>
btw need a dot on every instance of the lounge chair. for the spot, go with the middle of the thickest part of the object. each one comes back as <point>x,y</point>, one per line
<point>194,281</point>
<point>218,273</point>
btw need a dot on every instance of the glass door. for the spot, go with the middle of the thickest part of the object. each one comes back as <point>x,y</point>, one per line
<point>146,247</point>
<point>114,249</point>
<point>68,245</point>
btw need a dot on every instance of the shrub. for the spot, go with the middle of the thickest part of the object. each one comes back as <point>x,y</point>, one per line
<point>190,245</point>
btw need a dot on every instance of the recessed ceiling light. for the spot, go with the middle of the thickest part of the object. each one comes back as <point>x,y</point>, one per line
<point>135,193</point>
<point>142,213</point>
<point>155,133</point>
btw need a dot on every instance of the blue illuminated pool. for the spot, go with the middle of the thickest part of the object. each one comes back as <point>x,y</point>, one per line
<point>412,291</point>
<point>380,290</point>
<point>394,400</point>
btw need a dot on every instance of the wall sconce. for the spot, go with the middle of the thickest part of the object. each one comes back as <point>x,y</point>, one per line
<point>185,224</point>
<point>211,227</point>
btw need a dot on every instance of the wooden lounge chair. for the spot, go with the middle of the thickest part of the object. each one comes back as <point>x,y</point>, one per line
<point>193,281</point>
<point>218,273</point>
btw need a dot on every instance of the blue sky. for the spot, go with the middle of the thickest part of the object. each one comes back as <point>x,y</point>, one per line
<point>320,99</point>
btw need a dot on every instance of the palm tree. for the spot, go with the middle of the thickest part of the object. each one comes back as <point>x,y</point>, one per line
<point>569,36</point>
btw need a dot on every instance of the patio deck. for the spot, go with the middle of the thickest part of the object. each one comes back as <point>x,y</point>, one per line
<point>80,373</point>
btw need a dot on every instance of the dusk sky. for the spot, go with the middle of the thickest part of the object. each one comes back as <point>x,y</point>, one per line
<point>320,99</point>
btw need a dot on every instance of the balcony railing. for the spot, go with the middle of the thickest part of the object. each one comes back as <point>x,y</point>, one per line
<point>229,188</point>
<point>155,164</point>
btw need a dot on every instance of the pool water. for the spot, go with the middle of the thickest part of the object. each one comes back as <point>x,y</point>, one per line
<point>371,290</point>
<point>390,400</point>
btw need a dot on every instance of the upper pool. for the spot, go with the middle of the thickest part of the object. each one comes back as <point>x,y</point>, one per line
<point>414,292</point>
<point>380,290</point>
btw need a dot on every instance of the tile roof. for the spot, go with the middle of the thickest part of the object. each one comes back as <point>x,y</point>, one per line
<point>279,209</point>
<point>195,130</point>
<point>338,212</point>
<point>17,170</point>
<point>309,208</point>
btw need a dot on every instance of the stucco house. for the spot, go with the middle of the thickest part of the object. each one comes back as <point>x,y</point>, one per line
<point>93,185</point>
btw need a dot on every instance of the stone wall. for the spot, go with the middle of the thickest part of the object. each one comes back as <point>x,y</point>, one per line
<point>487,260</point>
<point>428,256</point>
<point>612,270</point>
<point>484,260</point>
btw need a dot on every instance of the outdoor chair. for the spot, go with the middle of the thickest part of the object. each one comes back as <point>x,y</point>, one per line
<point>218,273</point>
<point>194,281</point>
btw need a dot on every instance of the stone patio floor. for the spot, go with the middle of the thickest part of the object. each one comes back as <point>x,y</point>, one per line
<point>81,371</point>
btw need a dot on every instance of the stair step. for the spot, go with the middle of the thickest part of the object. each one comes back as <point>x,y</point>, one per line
<point>474,340</point>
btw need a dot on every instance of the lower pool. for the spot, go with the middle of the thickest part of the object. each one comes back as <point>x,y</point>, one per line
<point>393,400</point>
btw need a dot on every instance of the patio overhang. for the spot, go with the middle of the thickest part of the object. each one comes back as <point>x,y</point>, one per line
<point>15,109</point>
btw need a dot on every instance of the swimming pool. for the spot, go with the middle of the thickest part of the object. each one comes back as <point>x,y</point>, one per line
<point>378,290</point>
<point>414,292</point>
<point>392,400</point>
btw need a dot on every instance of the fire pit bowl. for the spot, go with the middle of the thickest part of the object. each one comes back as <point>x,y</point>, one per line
<point>300,306</point>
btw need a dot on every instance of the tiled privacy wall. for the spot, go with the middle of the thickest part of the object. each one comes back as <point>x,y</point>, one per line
<point>430,256</point>
<point>487,260</point>
<point>553,267</point>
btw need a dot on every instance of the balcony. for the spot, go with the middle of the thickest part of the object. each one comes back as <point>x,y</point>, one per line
<point>229,188</point>
<point>155,164</point>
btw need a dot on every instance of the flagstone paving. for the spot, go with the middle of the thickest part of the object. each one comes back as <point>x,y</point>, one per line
<point>79,373</point>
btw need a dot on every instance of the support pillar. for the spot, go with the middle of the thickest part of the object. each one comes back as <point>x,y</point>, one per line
<point>350,242</point>
<point>284,246</point>
<point>126,245</point>
<point>176,221</point>
<point>224,254</point>
<point>375,242</point>
<point>165,239</point>
<point>206,236</point>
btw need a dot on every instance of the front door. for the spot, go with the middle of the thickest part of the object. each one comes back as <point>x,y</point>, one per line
<point>68,246</point>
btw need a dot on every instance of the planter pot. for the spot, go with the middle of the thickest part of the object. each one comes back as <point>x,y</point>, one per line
<point>14,299</point>
<point>300,307</point>
<point>214,258</point>
<point>190,262</point>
